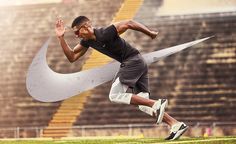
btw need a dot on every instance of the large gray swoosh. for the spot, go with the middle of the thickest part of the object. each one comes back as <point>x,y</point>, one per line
<point>45,85</point>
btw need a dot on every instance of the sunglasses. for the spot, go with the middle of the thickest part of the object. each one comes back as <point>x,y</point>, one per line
<point>77,30</point>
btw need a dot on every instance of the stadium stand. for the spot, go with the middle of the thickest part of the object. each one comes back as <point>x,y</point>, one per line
<point>24,29</point>
<point>199,82</point>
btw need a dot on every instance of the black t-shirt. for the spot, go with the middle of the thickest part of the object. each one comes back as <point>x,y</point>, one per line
<point>111,44</point>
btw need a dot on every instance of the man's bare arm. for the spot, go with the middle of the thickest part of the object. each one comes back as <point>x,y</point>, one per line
<point>79,51</point>
<point>131,24</point>
<point>72,54</point>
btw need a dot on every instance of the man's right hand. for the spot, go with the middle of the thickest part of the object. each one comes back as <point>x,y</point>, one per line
<point>59,28</point>
<point>153,34</point>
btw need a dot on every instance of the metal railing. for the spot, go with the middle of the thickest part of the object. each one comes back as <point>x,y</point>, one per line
<point>85,130</point>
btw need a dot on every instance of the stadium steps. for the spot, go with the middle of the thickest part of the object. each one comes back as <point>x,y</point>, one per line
<point>65,116</point>
<point>58,130</point>
<point>127,11</point>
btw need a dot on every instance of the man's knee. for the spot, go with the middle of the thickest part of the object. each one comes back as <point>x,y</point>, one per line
<point>118,93</point>
<point>124,98</point>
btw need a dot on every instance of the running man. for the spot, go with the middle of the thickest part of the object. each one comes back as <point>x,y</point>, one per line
<point>133,72</point>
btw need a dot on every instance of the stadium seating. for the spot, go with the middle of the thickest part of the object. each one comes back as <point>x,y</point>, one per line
<point>24,30</point>
<point>199,82</point>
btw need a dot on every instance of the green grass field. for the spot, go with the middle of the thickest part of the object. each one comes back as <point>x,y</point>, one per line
<point>210,140</point>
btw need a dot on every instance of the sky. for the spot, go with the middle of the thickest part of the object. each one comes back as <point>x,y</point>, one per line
<point>169,7</point>
<point>178,7</point>
<point>20,2</point>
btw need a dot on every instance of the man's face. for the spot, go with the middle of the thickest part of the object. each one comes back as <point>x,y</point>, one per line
<point>83,31</point>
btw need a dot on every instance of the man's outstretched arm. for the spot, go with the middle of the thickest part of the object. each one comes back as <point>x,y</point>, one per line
<point>131,24</point>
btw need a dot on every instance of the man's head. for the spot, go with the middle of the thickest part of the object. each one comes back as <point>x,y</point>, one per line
<point>82,27</point>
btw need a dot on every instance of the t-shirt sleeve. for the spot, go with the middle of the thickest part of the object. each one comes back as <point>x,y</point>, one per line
<point>84,43</point>
<point>109,33</point>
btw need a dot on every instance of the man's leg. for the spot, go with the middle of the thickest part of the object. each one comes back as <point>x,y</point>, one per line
<point>150,111</point>
<point>146,109</point>
<point>137,100</point>
<point>176,128</point>
<point>169,120</point>
<point>118,94</point>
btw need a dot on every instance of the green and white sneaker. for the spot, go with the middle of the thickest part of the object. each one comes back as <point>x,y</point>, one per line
<point>177,130</point>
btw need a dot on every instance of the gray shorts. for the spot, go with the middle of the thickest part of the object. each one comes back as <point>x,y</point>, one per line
<point>133,72</point>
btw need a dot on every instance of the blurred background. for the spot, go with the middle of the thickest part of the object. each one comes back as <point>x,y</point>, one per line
<point>200,83</point>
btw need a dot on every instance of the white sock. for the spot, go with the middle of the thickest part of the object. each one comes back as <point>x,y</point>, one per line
<point>157,105</point>
<point>145,109</point>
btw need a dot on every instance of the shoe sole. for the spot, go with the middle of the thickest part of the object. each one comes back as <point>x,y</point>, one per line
<point>162,110</point>
<point>179,133</point>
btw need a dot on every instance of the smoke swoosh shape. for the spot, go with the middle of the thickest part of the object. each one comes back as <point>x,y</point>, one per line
<point>45,85</point>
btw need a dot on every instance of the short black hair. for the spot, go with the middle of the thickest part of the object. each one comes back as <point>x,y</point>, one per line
<point>79,20</point>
